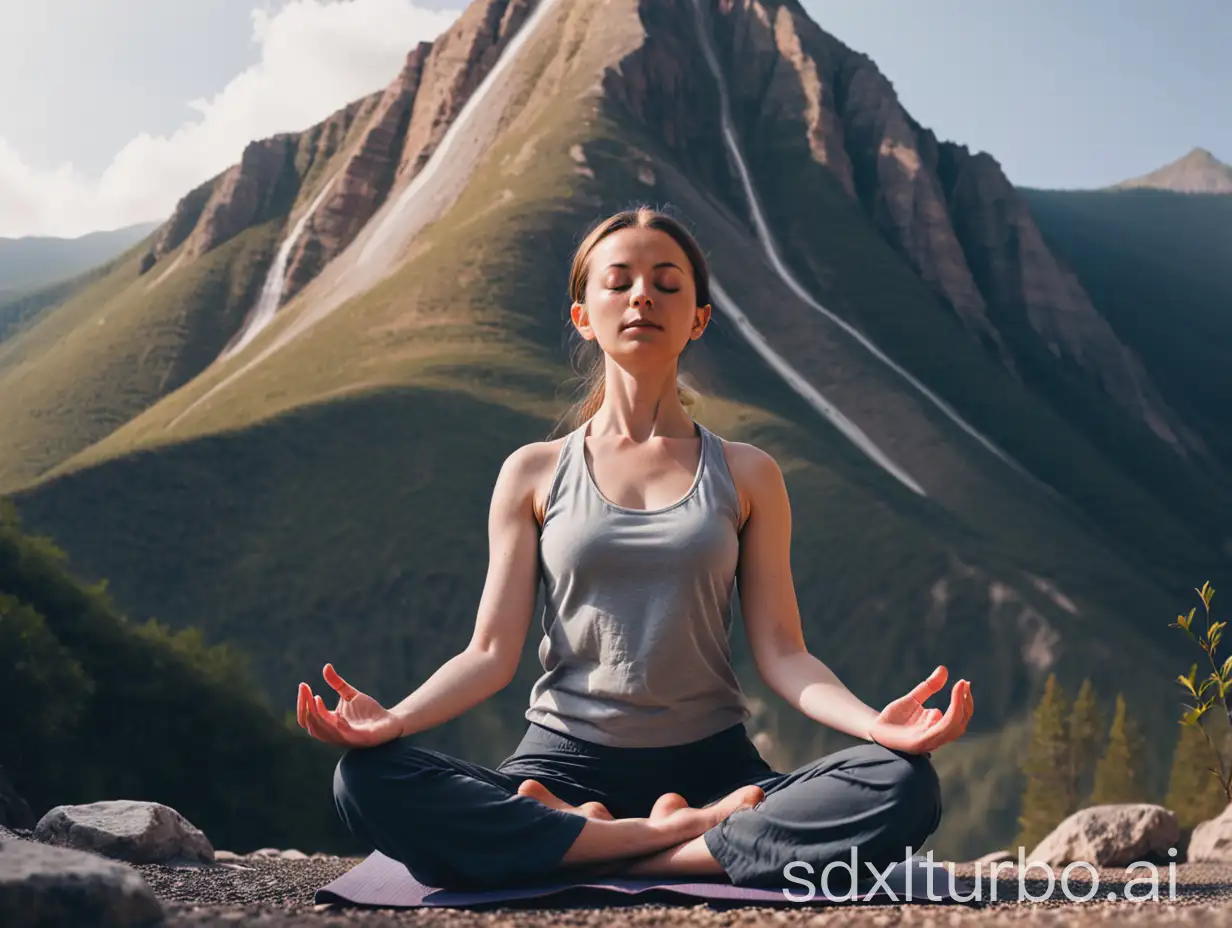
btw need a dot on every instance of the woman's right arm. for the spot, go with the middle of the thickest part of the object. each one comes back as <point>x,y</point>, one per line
<point>490,660</point>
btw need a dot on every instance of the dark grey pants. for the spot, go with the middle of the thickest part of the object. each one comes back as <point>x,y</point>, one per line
<point>455,824</point>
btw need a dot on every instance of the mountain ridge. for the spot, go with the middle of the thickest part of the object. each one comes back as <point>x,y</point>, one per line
<point>36,261</point>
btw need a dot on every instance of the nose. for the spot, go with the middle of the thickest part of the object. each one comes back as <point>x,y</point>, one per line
<point>640,298</point>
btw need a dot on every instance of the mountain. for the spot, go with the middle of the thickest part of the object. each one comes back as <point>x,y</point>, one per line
<point>1197,172</point>
<point>280,419</point>
<point>33,261</point>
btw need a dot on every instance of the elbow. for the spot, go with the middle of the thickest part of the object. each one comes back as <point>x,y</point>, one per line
<point>774,666</point>
<point>499,668</point>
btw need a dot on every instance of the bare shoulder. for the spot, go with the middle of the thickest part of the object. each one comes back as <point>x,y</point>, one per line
<point>527,473</point>
<point>753,471</point>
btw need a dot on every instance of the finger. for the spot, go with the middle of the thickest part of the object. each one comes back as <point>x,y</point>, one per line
<point>930,684</point>
<point>330,716</point>
<point>321,730</point>
<point>334,679</point>
<point>954,712</point>
<point>954,722</point>
<point>302,705</point>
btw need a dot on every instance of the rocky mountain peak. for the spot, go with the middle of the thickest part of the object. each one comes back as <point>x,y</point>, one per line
<point>1199,171</point>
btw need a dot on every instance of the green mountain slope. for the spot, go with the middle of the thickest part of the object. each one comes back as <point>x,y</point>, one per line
<point>84,357</point>
<point>113,348</point>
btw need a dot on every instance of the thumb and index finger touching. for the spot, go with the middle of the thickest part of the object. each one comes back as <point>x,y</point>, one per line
<point>960,694</point>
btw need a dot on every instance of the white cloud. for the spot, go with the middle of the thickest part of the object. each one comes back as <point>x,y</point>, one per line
<point>316,56</point>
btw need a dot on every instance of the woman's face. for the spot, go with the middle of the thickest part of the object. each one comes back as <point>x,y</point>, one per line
<point>641,302</point>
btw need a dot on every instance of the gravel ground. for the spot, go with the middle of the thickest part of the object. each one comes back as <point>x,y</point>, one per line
<point>278,894</point>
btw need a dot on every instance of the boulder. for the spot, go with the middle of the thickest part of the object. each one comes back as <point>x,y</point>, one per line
<point>44,885</point>
<point>1111,836</point>
<point>14,813</point>
<point>140,832</point>
<point>1212,840</point>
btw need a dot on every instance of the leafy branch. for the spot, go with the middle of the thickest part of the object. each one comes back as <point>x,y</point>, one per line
<point>1220,678</point>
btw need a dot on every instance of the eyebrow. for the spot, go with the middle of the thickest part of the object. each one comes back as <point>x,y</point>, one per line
<point>656,267</point>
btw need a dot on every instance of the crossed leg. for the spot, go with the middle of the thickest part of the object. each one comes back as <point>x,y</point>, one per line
<point>692,857</point>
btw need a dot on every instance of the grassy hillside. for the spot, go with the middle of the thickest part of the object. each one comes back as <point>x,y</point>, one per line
<point>102,708</point>
<point>117,345</point>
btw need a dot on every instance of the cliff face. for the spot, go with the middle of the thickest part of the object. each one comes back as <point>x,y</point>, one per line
<point>456,64</point>
<point>953,216</point>
<point>362,183</point>
<point>257,189</point>
<point>383,141</point>
<point>1019,274</point>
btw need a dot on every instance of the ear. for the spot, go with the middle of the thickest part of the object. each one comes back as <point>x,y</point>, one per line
<point>701,318</point>
<point>581,321</point>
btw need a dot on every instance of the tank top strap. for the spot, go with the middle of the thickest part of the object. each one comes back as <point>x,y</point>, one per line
<point>717,484</point>
<point>568,479</point>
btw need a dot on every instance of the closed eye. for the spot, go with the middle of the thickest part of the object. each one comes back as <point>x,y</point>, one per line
<point>663,289</point>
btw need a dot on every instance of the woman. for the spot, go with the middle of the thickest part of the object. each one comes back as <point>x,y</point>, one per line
<point>636,761</point>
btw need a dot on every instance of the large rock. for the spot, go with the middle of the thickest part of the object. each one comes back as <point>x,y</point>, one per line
<point>1212,840</point>
<point>1111,836</point>
<point>42,885</point>
<point>14,812</point>
<point>141,832</point>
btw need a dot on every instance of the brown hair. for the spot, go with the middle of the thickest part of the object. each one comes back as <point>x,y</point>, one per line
<point>588,356</point>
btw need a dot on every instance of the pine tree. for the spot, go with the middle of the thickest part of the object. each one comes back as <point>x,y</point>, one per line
<point>1045,798</point>
<point>1194,792</point>
<point>1118,776</point>
<point>1086,733</point>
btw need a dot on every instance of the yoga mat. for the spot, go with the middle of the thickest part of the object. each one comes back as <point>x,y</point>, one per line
<point>385,883</point>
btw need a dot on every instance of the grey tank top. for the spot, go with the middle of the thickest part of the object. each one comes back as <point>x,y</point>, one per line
<point>637,616</point>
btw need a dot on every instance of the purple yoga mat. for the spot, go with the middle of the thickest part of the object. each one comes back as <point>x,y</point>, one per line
<point>385,883</point>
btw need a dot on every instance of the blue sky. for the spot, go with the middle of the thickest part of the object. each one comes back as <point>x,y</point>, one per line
<point>124,105</point>
<point>1081,93</point>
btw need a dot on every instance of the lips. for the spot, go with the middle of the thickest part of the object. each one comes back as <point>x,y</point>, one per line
<point>643,324</point>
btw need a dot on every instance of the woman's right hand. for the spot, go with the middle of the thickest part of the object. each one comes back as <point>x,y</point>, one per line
<point>359,721</point>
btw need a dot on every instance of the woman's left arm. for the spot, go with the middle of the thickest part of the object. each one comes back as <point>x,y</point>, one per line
<point>776,638</point>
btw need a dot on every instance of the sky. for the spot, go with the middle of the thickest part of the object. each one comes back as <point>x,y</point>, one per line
<point>114,110</point>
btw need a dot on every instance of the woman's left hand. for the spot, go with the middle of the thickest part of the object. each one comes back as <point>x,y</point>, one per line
<point>906,725</point>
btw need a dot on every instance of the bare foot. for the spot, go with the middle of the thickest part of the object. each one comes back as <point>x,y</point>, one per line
<point>666,804</point>
<point>536,790</point>
<point>680,859</point>
<point>744,797</point>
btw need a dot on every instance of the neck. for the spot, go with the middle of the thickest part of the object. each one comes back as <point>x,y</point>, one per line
<point>641,406</point>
